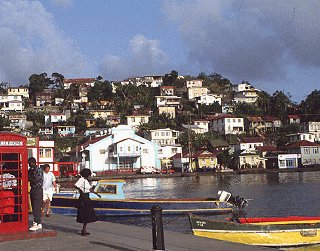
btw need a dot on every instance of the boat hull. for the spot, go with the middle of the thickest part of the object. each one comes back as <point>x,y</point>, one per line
<point>66,205</point>
<point>272,234</point>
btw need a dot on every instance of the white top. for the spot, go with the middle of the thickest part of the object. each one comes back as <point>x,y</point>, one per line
<point>84,185</point>
<point>48,179</point>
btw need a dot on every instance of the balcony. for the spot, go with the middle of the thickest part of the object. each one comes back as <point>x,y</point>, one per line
<point>124,154</point>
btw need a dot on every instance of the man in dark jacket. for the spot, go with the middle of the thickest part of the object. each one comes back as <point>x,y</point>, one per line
<point>35,175</point>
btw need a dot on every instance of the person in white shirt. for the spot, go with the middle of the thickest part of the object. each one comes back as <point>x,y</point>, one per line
<point>85,212</point>
<point>49,183</point>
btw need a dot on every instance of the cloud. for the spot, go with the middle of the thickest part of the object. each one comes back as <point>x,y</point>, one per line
<point>32,43</point>
<point>63,3</point>
<point>144,57</point>
<point>249,39</point>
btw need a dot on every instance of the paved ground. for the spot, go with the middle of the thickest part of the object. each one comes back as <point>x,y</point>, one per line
<point>112,236</point>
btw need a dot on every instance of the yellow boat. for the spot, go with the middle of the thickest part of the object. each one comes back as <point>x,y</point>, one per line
<point>271,232</point>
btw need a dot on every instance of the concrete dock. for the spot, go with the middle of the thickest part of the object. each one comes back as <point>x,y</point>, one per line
<point>112,236</point>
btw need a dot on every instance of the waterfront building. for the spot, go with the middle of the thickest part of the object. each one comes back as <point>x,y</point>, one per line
<point>308,151</point>
<point>244,159</point>
<point>288,161</point>
<point>20,91</point>
<point>227,124</point>
<point>167,139</point>
<point>247,143</point>
<point>195,128</point>
<point>122,150</point>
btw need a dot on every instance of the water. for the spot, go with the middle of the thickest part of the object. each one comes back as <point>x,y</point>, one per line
<point>271,194</point>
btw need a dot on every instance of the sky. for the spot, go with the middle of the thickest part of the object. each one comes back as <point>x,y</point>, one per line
<point>272,44</point>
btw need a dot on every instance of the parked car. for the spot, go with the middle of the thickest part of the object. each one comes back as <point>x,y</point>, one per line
<point>149,169</point>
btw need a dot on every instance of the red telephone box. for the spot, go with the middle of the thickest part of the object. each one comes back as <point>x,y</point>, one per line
<point>13,183</point>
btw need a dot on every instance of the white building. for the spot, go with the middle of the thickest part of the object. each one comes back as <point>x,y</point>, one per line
<point>164,137</point>
<point>11,103</point>
<point>202,123</point>
<point>123,149</point>
<point>167,139</point>
<point>288,160</point>
<point>135,121</point>
<point>168,101</point>
<point>54,118</point>
<point>18,121</point>
<point>19,91</point>
<point>209,99</point>
<point>41,150</point>
<point>314,128</point>
<point>195,92</point>
<point>245,93</point>
<point>194,83</point>
<point>295,137</point>
<point>247,143</point>
<point>227,124</point>
<point>89,82</point>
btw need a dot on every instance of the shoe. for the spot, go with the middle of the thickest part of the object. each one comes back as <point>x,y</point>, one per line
<point>48,215</point>
<point>39,226</point>
<point>34,227</point>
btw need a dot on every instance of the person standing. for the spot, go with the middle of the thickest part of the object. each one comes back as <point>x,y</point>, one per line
<point>49,182</point>
<point>85,212</point>
<point>35,175</point>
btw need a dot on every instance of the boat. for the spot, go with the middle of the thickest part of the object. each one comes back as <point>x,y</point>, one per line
<point>114,203</point>
<point>270,232</point>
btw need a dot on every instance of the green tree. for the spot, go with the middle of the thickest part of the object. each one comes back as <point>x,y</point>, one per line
<point>264,102</point>
<point>4,87</point>
<point>37,83</point>
<point>311,105</point>
<point>101,90</point>
<point>280,105</point>
<point>4,122</point>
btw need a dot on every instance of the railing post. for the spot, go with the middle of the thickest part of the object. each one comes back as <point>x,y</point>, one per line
<point>157,228</point>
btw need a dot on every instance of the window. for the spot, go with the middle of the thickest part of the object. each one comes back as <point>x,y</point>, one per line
<point>137,148</point>
<point>174,150</point>
<point>45,153</point>
<point>315,150</point>
<point>145,151</point>
<point>132,120</point>
<point>129,149</point>
<point>307,150</point>
<point>282,163</point>
<point>30,153</point>
<point>203,161</point>
<point>121,149</point>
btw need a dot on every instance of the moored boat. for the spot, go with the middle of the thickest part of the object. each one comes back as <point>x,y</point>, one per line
<point>272,232</point>
<point>113,202</point>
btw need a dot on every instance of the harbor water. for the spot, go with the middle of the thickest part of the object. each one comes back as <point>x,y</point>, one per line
<point>268,194</point>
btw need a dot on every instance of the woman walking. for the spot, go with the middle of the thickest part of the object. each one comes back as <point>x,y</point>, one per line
<point>85,212</point>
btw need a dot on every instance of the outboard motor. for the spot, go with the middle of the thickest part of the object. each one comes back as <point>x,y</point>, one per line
<point>240,203</point>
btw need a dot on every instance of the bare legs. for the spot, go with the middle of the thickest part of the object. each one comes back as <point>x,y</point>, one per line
<point>46,207</point>
<point>84,229</point>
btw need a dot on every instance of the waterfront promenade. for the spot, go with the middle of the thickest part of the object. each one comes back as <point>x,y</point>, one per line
<point>112,236</point>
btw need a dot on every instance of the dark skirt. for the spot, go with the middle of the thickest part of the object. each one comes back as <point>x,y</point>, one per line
<point>85,212</point>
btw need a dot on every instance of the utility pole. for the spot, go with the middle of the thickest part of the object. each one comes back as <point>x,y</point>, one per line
<point>189,143</point>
